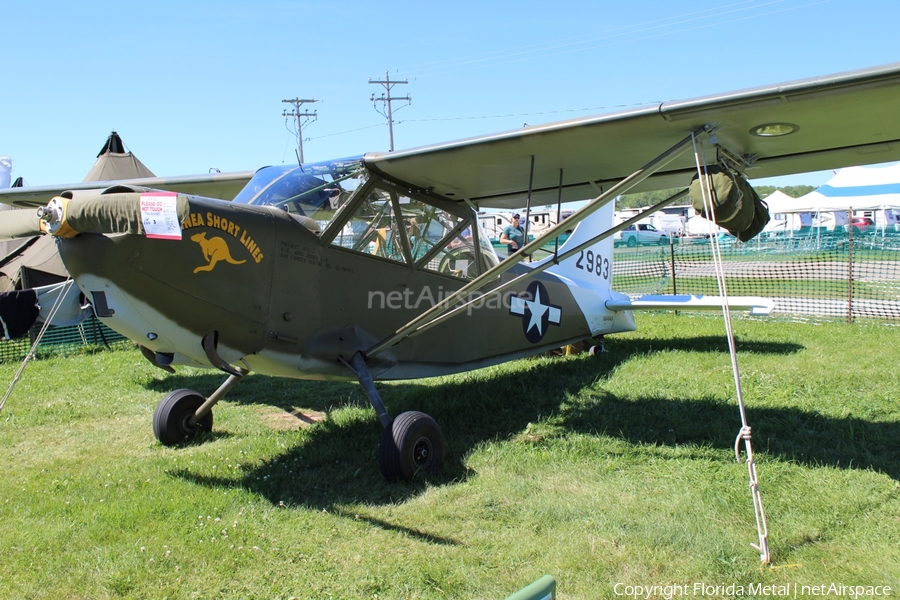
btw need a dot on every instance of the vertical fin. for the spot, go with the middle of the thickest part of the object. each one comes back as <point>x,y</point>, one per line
<point>591,267</point>
<point>588,274</point>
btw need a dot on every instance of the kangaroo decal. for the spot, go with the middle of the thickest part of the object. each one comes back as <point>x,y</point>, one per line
<point>214,250</point>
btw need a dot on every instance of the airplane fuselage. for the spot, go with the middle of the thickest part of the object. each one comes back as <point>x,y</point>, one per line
<point>285,303</point>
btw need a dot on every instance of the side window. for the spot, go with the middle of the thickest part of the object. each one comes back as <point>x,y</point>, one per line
<point>440,242</point>
<point>374,228</point>
<point>401,228</point>
<point>458,255</point>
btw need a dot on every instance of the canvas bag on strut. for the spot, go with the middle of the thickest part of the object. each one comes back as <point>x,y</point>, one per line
<point>736,205</point>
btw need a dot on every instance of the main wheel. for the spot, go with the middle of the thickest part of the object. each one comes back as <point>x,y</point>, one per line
<point>411,444</point>
<point>172,415</point>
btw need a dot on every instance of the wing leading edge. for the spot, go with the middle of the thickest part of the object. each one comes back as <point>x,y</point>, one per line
<point>224,186</point>
<point>841,120</point>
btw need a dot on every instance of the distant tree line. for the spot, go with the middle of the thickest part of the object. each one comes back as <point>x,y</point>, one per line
<point>650,198</point>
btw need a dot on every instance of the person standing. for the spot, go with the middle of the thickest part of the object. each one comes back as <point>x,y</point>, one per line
<point>513,235</point>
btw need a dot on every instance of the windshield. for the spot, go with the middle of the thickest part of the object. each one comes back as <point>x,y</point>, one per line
<point>314,190</point>
<point>382,220</point>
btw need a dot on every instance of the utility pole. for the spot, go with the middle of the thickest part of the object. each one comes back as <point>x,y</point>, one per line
<point>387,99</point>
<point>301,118</point>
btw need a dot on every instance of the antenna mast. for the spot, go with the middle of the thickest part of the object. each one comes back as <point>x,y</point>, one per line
<point>301,118</point>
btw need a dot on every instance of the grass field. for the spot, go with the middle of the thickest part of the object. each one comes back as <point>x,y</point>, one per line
<point>617,469</point>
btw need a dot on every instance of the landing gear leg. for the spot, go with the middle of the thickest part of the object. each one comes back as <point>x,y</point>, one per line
<point>183,413</point>
<point>598,348</point>
<point>411,443</point>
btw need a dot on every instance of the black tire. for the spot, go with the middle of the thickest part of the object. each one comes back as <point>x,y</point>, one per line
<point>412,444</point>
<point>663,241</point>
<point>632,242</point>
<point>170,419</point>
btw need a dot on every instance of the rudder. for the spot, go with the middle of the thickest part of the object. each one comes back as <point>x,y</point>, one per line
<point>592,265</point>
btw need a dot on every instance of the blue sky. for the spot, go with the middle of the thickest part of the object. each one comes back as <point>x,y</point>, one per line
<point>194,85</point>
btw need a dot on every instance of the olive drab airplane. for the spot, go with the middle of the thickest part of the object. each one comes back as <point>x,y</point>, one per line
<point>375,268</point>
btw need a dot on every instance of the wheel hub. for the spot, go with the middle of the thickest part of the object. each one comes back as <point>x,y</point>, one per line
<point>422,451</point>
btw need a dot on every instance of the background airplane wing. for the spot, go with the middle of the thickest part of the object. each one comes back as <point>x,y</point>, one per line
<point>841,120</point>
<point>224,186</point>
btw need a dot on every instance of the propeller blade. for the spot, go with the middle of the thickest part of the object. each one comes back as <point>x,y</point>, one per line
<point>19,223</point>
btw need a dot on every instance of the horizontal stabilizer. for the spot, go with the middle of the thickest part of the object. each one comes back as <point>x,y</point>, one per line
<point>755,304</point>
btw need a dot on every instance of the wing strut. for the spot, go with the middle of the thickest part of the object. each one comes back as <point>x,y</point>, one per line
<point>547,263</point>
<point>432,316</point>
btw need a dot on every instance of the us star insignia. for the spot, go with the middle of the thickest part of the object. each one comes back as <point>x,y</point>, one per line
<point>536,311</point>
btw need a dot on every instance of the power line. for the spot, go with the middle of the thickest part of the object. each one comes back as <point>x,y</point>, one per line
<point>530,114</point>
<point>677,24</point>
<point>319,137</point>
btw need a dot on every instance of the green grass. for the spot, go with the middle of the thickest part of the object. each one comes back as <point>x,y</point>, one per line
<point>596,470</point>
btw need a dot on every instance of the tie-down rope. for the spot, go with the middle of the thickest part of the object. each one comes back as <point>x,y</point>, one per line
<point>744,433</point>
<point>37,340</point>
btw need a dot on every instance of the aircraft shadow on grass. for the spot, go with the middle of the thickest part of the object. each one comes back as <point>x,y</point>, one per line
<point>333,465</point>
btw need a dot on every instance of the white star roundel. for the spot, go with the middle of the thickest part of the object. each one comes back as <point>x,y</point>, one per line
<point>536,311</point>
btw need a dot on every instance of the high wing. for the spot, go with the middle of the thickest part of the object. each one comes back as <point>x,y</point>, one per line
<point>840,120</point>
<point>224,186</point>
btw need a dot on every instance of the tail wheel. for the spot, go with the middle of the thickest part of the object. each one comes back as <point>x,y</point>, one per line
<point>413,443</point>
<point>171,419</point>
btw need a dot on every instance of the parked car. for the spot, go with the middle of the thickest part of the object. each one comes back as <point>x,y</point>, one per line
<point>641,233</point>
<point>723,238</point>
<point>863,224</point>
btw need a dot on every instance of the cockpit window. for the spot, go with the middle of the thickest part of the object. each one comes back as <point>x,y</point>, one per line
<point>398,226</point>
<point>374,229</point>
<point>316,191</point>
<point>380,219</point>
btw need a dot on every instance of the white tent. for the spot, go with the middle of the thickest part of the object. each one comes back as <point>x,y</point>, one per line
<point>856,188</point>
<point>5,171</point>
<point>784,221</point>
<point>698,226</point>
<point>874,190</point>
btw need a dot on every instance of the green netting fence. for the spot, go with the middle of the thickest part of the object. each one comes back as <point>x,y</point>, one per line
<point>813,274</point>
<point>59,340</point>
